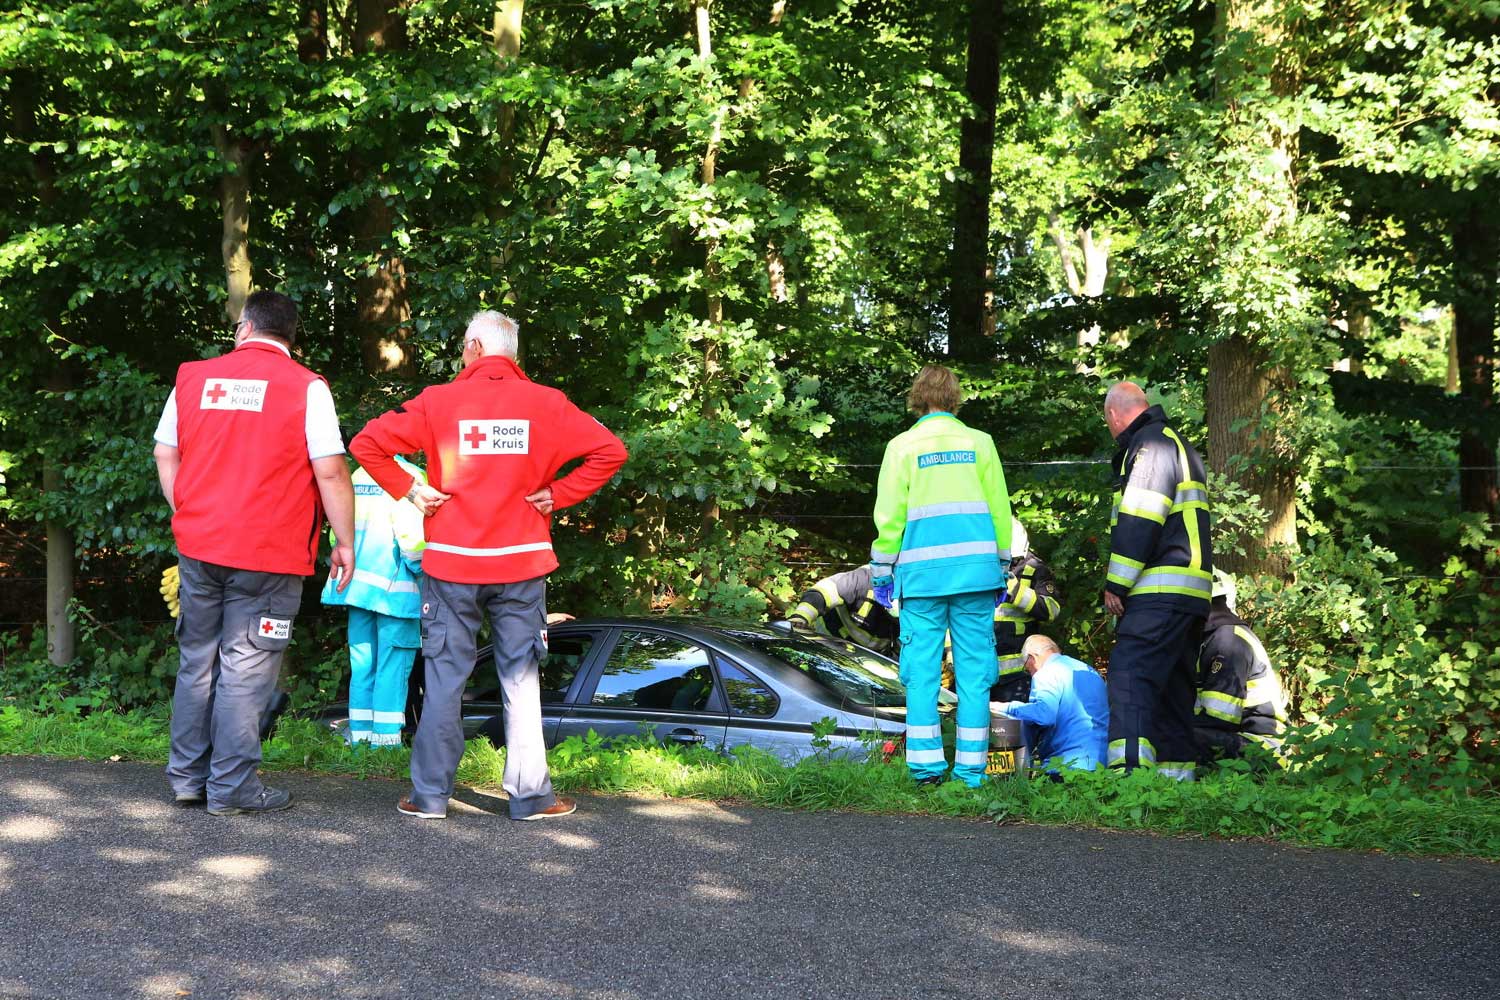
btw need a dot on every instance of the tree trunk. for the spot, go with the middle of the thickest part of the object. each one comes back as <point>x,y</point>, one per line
<point>62,552</point>
<point>971,211</point>
<point>62,548</point>
<point>1241,381</point>
<point>507,40</point>
<point>382,311</point>
<point>1451,382</point>
<point>1088,285</point>
<point>1248,394</point>
<point>713,276</point>
<point>312,31</point>
<point>1476,256</point>
<point>234,212</point>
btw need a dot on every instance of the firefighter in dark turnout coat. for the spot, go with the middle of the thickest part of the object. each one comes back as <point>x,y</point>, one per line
<point>1240,697</point>
<point>847,607</point>
<point>1030,601</point>
<point>1159,582</point>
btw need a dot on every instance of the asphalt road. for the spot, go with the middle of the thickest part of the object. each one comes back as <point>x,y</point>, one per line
<point>107,890</point>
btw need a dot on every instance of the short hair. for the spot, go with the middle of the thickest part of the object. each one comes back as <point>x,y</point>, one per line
<point>1125,397</point>
<point>271,314</point>
<point>496,332</point>
<point>935,388</point>
<point>1038,645</point>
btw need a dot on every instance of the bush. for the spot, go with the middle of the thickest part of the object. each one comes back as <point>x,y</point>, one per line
<point>1394,678</point>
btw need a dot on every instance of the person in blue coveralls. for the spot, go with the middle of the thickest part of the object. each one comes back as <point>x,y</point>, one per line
<point>385,609</point>
<point>1067,716</point>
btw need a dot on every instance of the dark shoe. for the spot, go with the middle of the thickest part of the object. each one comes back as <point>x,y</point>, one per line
<point>189,800</point>
<point>406,808</point>
<point>562,807</point>
<point>932,779</point>
<point>269,800</point>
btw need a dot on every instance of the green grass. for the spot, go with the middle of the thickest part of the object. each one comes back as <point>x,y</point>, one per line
<point>1392,818</point>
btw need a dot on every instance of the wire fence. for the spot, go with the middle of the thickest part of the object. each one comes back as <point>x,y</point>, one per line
<point>801,517</point>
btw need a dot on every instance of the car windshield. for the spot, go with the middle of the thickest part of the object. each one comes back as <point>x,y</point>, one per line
<point>852,673</point>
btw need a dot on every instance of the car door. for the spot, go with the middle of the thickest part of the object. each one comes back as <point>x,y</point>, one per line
<point>652,682</point>
<point>569,654</point>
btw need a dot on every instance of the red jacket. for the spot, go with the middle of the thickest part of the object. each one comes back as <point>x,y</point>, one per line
<point>491,437</point>
<point>245,492</point>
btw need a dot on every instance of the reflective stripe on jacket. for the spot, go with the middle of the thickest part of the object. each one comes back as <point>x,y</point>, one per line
<point>1160,549</point>
<point>388,546</point>
<point>942,513</point>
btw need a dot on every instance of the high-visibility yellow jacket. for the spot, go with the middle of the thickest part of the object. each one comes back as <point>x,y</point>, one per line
<point>942,513</point>
<point>1160,550</point>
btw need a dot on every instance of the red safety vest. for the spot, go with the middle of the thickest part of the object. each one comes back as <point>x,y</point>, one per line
<point>491,437</point>
<point>245,492</point>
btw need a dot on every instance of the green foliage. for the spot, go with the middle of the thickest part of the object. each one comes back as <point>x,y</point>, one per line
<point>1390,673</point>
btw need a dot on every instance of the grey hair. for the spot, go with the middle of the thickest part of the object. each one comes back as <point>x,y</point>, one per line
<point>1039,646</point>
<point>496,333</point>
<point>1125,397</point>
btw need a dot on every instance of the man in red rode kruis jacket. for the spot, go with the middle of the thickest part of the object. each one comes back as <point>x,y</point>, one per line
<point>494,441</point>
<point>249,456</point>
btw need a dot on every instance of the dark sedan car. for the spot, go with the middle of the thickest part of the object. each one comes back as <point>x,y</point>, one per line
<point>704,682</point>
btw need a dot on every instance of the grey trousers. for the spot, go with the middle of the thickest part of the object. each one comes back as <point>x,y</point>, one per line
<point>451,616</point>
<point>232,632</point>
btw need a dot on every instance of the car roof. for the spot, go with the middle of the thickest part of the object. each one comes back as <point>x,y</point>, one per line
<point>701,626</point>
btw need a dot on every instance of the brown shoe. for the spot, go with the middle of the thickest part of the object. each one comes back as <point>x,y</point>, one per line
<point>406,808</point>
<point>562,807</point>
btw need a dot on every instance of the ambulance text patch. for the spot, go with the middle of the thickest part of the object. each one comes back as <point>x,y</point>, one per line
<point>494,437</point>
<point>945,458</point>
<point>233,394</point>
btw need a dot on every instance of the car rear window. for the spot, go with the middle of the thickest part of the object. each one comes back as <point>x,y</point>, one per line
<point>853,674</point>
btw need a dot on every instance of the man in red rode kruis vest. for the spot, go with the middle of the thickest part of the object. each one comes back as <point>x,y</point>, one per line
<point>249,456</point>
<point>494,441</point>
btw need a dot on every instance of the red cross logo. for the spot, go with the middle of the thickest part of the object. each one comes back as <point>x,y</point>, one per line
<point>475,437</point>
<point>267,627</point>
<point>216,393</point>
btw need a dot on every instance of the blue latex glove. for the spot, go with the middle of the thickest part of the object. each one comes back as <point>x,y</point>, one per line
<point>1000,596</point>
<point>885,590</point>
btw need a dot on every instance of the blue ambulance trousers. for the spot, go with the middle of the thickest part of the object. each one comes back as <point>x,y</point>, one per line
<point>925,622</point>
<point>381,651</point>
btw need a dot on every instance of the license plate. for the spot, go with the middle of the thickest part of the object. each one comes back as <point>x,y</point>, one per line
<point>1001,762</point>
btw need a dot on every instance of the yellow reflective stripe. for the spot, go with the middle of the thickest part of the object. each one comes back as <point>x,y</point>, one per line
<point>1053,608</point>
<point>1262,691</point>
<point>830,592</point>
<point>1146,503</point>
<point>1123,570</point>
<point>1186,482</point>
<point>1025,598</point>
<point>1220,706</point>
<point>1012,663</point>
<point>1145,515</point>
<point>1185,580</point>
<point>806,612</point>
<point>1145,752</point>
